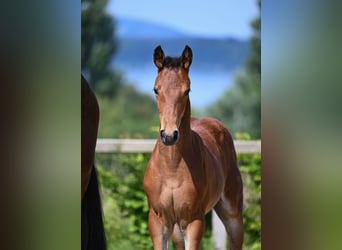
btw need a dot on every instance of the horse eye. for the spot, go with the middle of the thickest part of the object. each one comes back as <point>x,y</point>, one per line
<point>186,93</point>
<point>155,91</point>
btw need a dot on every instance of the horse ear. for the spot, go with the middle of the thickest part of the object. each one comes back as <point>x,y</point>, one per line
<point>158,57</point>
<point>186,57</point>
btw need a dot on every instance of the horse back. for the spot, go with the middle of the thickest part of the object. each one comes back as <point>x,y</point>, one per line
<point>217,140</point>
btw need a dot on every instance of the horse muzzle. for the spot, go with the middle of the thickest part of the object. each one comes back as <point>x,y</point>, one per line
<point>169,139</point>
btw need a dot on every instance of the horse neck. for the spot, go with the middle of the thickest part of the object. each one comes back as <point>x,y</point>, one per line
<point>185,130</point>
<point>175,153</point>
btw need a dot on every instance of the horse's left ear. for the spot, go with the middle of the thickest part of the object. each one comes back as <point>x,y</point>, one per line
<point>186,57</point>
<point>159,57</point>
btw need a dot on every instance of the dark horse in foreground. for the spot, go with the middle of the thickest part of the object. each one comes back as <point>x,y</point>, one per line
<point>193,167</point>
<point>92,235</point>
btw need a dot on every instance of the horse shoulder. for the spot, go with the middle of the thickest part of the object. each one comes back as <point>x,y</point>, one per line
<point>213,132</point>
<point>152,175</point>
<point>216,146</point>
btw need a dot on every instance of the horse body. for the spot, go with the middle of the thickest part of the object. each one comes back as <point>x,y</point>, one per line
<point>89,126</point>
<point>192,168</point>
<point>92,235</point>
<point>186,184</point>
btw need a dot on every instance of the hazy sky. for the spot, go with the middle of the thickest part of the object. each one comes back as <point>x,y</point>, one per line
<point>216,18</point>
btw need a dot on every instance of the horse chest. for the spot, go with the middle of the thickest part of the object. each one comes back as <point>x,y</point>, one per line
<point>177,200</point>
<point>177,193</point>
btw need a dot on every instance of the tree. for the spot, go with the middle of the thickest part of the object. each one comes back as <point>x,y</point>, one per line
<point>240,106</point>
<point>253,64</point>
<point>98,47</point>
<point>121,105</point>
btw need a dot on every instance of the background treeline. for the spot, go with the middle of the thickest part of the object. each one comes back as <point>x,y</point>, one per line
<point>127,113</point>
<point>122,105</point>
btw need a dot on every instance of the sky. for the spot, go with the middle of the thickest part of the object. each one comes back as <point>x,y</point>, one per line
<point>216,18</point>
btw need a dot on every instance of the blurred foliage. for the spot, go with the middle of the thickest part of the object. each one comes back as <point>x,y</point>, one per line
<point>121,105</point>
<point>124,201</point>
<point>125,204</point>
<point>98,48</point>
<point>239,107</point>
<point>129,115</point>
<point>253,64</point>
<point>250,168</point>
<point>251,174</point>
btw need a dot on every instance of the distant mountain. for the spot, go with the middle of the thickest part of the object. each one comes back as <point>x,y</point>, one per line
<point>214,60</point>
<point>133,28</point>
<point>137,40</point>
<point>226,54</point>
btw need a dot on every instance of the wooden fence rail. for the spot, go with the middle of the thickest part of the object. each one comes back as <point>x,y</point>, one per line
<point>146,146</point>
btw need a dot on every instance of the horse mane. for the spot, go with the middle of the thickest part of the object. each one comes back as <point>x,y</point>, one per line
<point>172,62</point>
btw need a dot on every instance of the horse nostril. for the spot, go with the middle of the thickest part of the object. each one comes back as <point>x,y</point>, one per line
<point>175,135</point>
<point>162,133</point>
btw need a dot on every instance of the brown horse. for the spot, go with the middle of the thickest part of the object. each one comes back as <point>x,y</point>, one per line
<point>193,167</point>
<point>92,235</point>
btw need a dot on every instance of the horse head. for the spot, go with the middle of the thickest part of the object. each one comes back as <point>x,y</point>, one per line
<point>172,87</point>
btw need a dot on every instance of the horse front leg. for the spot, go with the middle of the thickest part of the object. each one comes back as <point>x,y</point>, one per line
<point>160,233</point>
<point>194,234</point>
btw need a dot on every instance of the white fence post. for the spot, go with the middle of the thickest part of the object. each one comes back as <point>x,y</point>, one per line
<point>219,233</point>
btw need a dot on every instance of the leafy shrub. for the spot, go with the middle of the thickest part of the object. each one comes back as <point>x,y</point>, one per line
<point>251,175</point>
<point>122,184</point>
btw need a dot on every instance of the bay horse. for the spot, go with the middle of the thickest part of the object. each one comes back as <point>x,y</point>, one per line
<point>193,167</point>
<point>92,235</point>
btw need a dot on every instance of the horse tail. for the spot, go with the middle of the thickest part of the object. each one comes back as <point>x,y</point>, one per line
<point>93,235</point>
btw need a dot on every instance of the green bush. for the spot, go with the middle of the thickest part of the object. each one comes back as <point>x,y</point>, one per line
<point>121,178</point>
<point>125,205</point>
<point>251,175</point>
